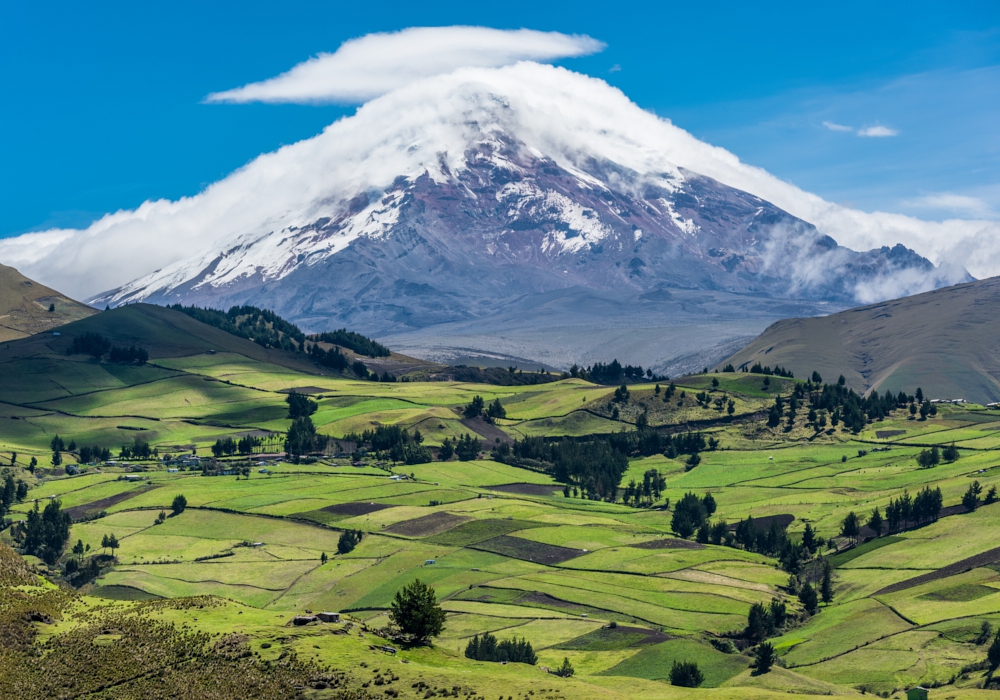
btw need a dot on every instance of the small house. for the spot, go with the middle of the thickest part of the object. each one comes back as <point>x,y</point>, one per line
<point>917,693</point>
<point>263,470</point>
<point>172,470</point>
<point>429,562</point>
<point>328,616</point>
<point>257,544</point>
<point>397,477</point>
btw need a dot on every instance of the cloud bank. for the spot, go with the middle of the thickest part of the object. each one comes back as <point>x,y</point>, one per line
<point>375,64</point>
<point>426,127</point>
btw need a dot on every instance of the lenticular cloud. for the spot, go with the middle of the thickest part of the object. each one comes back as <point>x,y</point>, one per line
<point>426,127</point>
<point>375,64</point>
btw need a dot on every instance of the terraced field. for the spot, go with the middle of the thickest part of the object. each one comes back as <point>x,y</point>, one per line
<point>609,586</point>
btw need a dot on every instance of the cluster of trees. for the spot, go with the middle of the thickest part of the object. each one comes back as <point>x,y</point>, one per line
<point>139,449</point>
<point>840,403</point>
<point>932,457</point>
<point>478,407</point>
<point>44,533</point>
<point>263,327</point>
<point>353,341</point>
<point>758,369</point>
<point>89,343</point>
<point>691,514</point>
<point>349,539</point>
<point>612,373</point>
<point>466,448</point>
<point>648,492</point>
<point>12,492</point>
<point>901,513</point>
<point>487,648</point>
<point>93,453</point>
<point>130,355</point>
<point>596,467</point>
<point>333,358</point>
<point>227,447</point>
<point>395,443</point>
<point>765,621</point>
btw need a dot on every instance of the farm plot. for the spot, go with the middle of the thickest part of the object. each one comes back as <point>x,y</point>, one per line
<point>655,662</point>
<point>527,550</point>
<point>474,531</point>
<point>426,525</point>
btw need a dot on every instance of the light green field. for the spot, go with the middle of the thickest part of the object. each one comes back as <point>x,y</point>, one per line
<point>863,640</point>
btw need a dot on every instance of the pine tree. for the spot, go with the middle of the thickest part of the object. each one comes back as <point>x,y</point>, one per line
<point>764,658</point>
<point>826,587</point>
<point>807,596</point>
<point>875,522</point>
<point>416,612</point>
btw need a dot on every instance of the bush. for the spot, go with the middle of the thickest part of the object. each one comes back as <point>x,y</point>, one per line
<point>510,650</point>
<point>349,539</point>
<point>179,504</point>
<point>686,674</point>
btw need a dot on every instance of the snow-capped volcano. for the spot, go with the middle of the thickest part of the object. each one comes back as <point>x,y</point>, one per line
<point>467,197</point>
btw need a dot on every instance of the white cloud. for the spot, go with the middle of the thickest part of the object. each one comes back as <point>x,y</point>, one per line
<point>615,69</point>
<point>956,203</point>
<point>374,64</point>
<point>837,127</point>
<point>877,131</point>
<point>426,127</point>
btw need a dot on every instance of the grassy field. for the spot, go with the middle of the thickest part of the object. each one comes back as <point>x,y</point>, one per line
<point>504,548</point>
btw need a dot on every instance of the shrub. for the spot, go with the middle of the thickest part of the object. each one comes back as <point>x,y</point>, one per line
<point>179,504</point>
<point>686,674</point>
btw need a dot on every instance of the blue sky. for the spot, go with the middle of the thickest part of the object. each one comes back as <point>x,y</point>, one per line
<point>102,105</point>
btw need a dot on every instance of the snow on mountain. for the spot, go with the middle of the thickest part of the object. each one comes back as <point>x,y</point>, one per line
<point>464,197</point>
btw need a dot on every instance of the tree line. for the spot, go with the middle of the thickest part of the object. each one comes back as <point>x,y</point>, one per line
<point>96,345</point>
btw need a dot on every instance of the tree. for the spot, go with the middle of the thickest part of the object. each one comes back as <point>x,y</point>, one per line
<point>764,657</point>
<point>826,587</point>
<point>475,409</point>
<point>929,458</point>
<point>349,539</point>
<point>875,522</point>
<point>950,453</point>
<point>809,538</point>
<point>686,674</point>
<point>566,670</point>
<point>56,459</point>
<point>807,596</point>
<point>971,498</point>
<point>759,624</point>
<point>446,450</point>
<point>322,558</point>
<point>850,528</point>
<point>300,406</point>
<point>112,543</point>
<point>179,504</point>
<point>416,612</point>
<point>709,503</point>
<point>816,379</point>
<point>991,496</point>
<point>497,410</point>
<point>993,655</point>
<point>301,437</point>
<point>774,417</point>
<point>46,532</point>
<point>78,548</point>
<point>467,448</point>
<point>715,382</point>
<point>104,542</point>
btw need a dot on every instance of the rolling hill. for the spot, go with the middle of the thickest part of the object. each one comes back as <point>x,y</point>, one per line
<point>24,306</point>
<point>947,341</point>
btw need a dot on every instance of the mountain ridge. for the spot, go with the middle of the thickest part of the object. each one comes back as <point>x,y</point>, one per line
<point>944,340</point>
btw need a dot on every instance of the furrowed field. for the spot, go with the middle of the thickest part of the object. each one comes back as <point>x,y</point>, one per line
<point>508,549</point>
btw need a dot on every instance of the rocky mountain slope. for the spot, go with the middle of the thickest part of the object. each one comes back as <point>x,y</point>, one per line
<point>946,341</point>
<point>472,218</point>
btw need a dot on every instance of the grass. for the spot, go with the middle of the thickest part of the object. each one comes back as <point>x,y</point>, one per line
<point>561,604</point>
<point>655,662</point>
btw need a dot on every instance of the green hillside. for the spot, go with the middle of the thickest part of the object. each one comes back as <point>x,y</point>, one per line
<point>944,341</point>
<point>524,540</point>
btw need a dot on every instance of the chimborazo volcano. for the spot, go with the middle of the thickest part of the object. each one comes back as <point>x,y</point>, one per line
<point>517,214</point>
